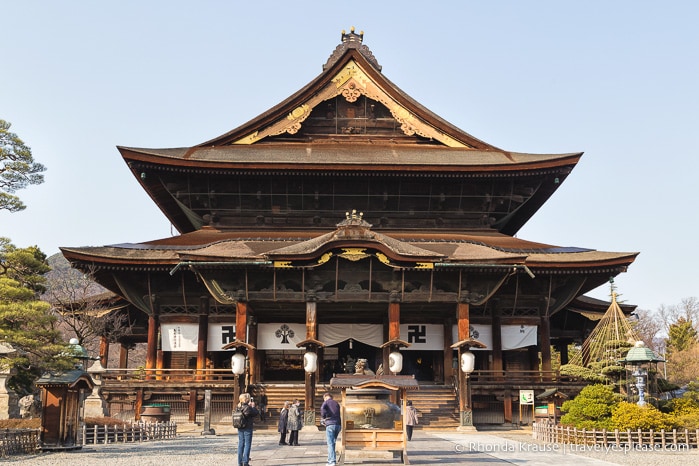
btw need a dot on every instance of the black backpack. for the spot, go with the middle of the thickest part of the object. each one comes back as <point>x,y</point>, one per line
<point>239,419</point>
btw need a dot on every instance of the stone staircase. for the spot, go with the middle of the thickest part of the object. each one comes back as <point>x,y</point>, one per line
<point>436,404</point>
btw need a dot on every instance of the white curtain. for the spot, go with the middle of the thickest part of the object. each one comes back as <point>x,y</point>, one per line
<point>280,336</point>
<point>220,334</point>
<point>179,337</point>
<point>513,336</point>
<point>369,334</point>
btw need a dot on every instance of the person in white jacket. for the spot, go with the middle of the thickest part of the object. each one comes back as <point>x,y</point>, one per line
<point>410,419</point>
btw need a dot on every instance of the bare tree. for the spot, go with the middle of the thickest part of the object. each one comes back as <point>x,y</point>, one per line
<point>85,310</point>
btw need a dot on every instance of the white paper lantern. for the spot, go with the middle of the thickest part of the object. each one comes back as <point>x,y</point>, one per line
<point>238,363</point>
<point>395,362</point>
<point>468,361</point>
<point>310,362</point>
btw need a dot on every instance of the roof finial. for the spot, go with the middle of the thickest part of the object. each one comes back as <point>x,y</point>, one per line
<point>352,36</point>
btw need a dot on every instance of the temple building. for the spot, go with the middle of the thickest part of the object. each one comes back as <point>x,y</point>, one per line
<point>350,222</point>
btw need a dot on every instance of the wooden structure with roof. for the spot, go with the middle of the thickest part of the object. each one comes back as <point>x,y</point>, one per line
<point>373,438</point>
<point>351,215</point>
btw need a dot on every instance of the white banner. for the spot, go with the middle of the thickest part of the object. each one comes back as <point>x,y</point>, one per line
<point>513,336</point>
<point>369,334</point>
<point>220,334</point>
<point>280,336</point>
<point>179,337</point>
<point>422,336</point>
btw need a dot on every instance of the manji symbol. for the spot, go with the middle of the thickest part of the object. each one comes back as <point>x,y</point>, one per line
<point>284,332</point>
<point>417,334</point>
<point>227,334</point>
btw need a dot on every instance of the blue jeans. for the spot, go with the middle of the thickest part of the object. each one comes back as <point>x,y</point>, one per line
<point>244,444</point>
<point>331,433</point>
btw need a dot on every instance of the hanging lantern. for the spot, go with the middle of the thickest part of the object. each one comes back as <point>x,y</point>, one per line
<point>468,361</point>
<point>395,362</point>
<point>238,363</point>
<point>310,362</point>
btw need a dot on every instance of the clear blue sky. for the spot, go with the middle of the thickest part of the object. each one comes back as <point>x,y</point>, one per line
<point>618,80</point>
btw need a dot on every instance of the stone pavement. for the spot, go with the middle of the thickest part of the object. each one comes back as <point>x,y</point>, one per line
<point>427,447</point>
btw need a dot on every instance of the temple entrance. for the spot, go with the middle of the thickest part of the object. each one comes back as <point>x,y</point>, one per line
<point>348,352</point>
<point>283,366</point>
<point>422,364</point>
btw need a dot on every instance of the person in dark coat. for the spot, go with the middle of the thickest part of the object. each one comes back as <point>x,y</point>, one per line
<point>282,424</point>
<point>294,423</point>
<point>331,419</point>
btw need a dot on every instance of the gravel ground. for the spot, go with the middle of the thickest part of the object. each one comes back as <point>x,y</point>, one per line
<point>627,457</point>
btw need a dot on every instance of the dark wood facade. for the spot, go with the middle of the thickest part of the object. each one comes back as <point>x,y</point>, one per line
<point>349,204</point>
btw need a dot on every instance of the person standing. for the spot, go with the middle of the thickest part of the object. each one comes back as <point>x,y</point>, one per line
<point>263,405</point>
<point>294,423</point>
<point>410,419</point>
<point>282,424</point>
<point>330,418</point>
<point>247,407</point>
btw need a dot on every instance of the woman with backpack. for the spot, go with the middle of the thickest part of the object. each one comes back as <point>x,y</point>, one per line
<point>294,423</point>
<point>249,412</point>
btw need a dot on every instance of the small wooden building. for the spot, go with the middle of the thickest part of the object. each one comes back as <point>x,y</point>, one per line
<point>61,399</point>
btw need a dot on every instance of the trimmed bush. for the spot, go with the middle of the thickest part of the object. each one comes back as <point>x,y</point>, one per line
<point>631,416</point>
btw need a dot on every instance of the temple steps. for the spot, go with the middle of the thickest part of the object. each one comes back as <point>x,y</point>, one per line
<point>436,404</point>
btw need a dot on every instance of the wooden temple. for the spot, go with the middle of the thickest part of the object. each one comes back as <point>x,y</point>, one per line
<point>345,221</point>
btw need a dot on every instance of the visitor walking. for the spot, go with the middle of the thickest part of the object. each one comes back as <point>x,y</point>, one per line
<point>262,405</point>
<point>282,424</point>
<point>410,419</point>
<point>247,407</point>
<point>330,418</point>
<point>294,423</point>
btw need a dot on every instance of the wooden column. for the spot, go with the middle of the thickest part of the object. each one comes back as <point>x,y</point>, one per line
<point>507,405</point>
<point>203,340</point>
<point>545,343</point>
<point>448,352</point>
<point>241,327</point>
<point>463,326</point>
<point>192,412</point>
<point>393,321</point>
<point>563,348</point>
<point>153,332</point>
<point>310,377</point>
<point>104,351</point>
<point>123,356</point>
<point>497,340</point>
<point>254,374</point>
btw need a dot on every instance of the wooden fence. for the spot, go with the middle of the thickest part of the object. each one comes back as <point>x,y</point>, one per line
<point>18,442</point>
<point>637,439</point>
<point>134,432</point>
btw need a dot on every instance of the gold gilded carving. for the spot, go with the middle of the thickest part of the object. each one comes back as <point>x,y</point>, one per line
<point>282,264</point>
<point>249,139</point>
<point>382,258</point>
<point>354,254</point>
<point>424,265</point>
<point>298,112</point>
<point>325,258</point>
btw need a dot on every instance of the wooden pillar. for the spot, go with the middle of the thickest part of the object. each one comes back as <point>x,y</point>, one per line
<point>507,407</point>
<point>153,332</point>
<point>311,377</point>
<point>241,327</point>
<point>464,332</point>
<point>192,411</point>
<point>203,340</point>
<point>563,349</point>
<point>497,341</point>
<point>254,374</point>
<point>123,356</point>
<point>393,321</point>
<point>545,343</point>
<point>448,352</point>
<point>138,404</point>
<point>104,351</point>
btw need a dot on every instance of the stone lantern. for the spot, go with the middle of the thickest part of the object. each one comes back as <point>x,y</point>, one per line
<point>637,361</point>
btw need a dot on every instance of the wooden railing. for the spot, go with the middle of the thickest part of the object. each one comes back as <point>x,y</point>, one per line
<point>174,375</point>
<point>625,440</point>
<point>18,442</point>
<point>134,432</point>
<point>511,377</point>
